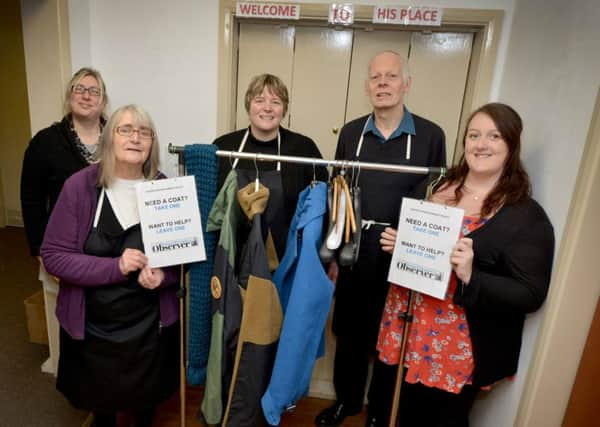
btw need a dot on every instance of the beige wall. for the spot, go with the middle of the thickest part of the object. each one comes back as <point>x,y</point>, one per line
<point>35,43</point>
<point>14,112</point>
<point>47,58</point>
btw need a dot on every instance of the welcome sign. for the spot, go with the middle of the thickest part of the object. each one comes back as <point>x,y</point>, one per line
<point>170,221</point>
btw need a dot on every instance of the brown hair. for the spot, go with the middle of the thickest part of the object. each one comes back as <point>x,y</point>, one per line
<point>106,153</point>
<point>77,77</point>
<point>273,84</point>
<point>513,185</point>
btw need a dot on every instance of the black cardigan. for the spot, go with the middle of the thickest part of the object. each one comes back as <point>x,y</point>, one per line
<point>50,159</point>
<point>512,265</point>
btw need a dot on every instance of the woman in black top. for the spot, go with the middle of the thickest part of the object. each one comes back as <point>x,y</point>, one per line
<point>266,101</point>
<point>502,271</point>
<point>60,150</point>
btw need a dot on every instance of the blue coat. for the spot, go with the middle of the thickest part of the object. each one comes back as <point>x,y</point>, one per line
<point>306,294</point>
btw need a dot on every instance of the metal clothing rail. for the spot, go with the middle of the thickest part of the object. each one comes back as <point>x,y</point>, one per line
<point>349,164</point>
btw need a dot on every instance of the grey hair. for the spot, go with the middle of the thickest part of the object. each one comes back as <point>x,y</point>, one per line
<point>403,64</point>
<point>106,153</point>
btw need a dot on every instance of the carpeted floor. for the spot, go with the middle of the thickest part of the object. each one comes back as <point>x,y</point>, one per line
<point>28,397</point>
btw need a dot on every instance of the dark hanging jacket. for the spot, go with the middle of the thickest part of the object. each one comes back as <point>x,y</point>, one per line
<point>247,314</point>
<point>261,320</point>
<point>224,217</point>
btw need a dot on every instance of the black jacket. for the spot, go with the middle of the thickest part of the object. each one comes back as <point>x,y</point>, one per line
<point>512,265</point>
<point>50,159</point>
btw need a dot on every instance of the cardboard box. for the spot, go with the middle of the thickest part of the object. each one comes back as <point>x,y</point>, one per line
<point>36,318</point>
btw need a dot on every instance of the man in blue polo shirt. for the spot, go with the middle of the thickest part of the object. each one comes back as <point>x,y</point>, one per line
<point>390,134</point>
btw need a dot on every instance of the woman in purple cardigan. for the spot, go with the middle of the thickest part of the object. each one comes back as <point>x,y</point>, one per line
<point>118,317</point>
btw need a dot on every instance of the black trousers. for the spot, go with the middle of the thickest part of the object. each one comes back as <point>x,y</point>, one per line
<point>359,301</point>
<point>143,418</point>
<point>422,406</point>
<point>350,373</point>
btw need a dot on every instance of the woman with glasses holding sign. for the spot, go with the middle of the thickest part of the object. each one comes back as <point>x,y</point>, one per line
<point>118,316</point>
<point>502,263</point>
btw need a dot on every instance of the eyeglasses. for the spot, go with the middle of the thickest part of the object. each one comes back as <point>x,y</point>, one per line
<point>128,130</point>
<point>81,89</point>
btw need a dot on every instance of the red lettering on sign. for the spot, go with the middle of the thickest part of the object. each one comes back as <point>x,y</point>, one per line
<point>416,16</point>
<point>382,13</point>
<point>434,16</point>
<point>403,13</point>
<point>245,8</point>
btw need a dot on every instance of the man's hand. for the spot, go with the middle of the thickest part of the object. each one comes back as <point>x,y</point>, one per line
<point>388,240</point>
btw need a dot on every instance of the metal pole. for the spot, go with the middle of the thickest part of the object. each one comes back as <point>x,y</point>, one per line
<point>322,162</point>
<point>182,302</point>
<point>405,331</point>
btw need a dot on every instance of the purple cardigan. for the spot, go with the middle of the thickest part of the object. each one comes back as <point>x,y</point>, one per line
<point>62,252</point>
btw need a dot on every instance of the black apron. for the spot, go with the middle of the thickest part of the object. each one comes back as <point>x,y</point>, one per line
<point>362,288</point>
<point>127,360</point>
<point>274,217</point>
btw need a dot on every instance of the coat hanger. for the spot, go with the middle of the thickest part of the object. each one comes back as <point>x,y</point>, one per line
<point>257,180</point>
<point>434,183</point>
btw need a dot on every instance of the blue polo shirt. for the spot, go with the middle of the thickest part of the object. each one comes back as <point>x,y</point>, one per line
<point>407,125</point>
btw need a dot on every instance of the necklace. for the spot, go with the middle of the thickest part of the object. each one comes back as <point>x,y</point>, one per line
<point>475,196</point>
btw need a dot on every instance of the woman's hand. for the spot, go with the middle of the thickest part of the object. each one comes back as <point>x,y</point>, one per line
<point>132,260</point>
<point>151,278</point>
<point>333,271</point>
<point>388,240</point>
<point>462,259</point>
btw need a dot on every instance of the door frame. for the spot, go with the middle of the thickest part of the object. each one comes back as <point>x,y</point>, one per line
<point>572,300</point>
<point>486,26</point>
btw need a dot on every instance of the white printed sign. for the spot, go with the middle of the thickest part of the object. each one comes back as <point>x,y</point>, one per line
<point>267,10</point>
<point>407,15</point>
<point>341,13</point>
<point>426,234</point>
<point>170,220</point>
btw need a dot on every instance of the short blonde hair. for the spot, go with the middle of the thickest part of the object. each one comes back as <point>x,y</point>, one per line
<point>273,83</point>
<point>77,77</point>
<point>106,153</point>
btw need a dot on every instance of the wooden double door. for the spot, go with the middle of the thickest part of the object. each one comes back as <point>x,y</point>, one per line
<point>325,70</point>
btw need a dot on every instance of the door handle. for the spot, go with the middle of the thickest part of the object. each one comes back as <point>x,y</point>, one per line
<point>335,130</point>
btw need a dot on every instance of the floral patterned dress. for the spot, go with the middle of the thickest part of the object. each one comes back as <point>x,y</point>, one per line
<point>438,351</point>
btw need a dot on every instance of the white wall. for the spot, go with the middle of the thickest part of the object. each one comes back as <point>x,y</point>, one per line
<point>163,55</point>
<point>551,77</point>
<point>159,54</point>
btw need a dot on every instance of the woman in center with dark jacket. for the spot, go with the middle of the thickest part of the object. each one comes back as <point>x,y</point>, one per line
<point>266,101</point>
<point>118,316</point>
